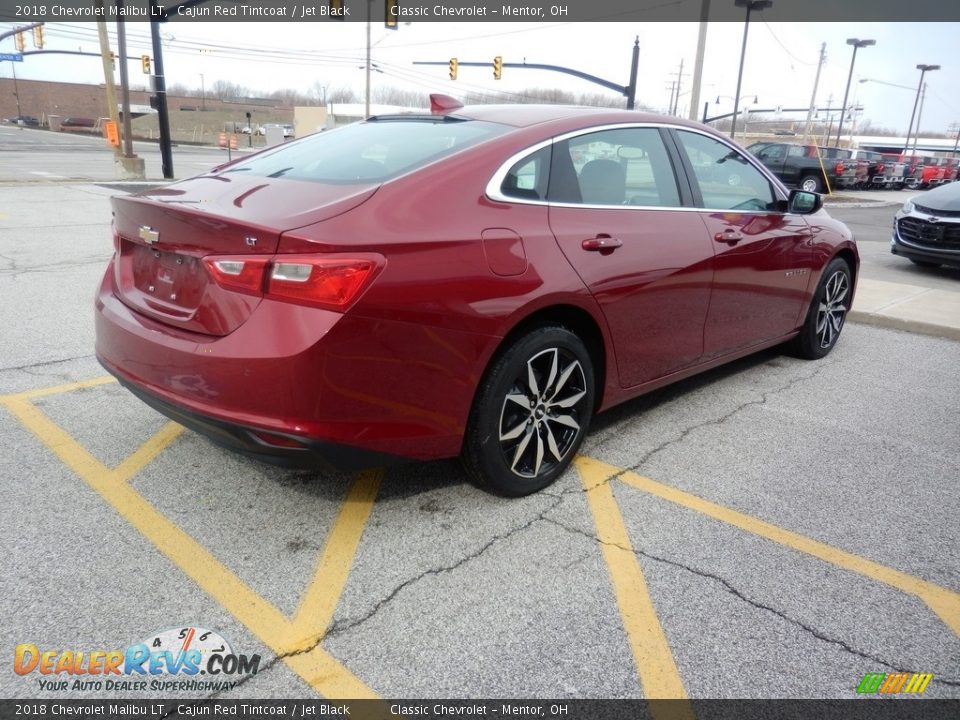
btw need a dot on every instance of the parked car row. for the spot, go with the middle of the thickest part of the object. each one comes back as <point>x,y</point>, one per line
<point>816,169</point>
<point>25,120</point>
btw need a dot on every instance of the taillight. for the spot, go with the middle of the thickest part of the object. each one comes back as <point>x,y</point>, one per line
<point>839,168</point>
<point>331,282</point>
<point>240,273</point>
<point>879,167</point>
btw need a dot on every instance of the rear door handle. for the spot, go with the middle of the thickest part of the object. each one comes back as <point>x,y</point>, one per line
<point>601,243</point>
<point>728,236</point>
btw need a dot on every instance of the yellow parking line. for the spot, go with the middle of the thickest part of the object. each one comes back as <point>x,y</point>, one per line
<point>945,603</point>
<point>317,667</point>
<point>320,599</point>
<point>147,452</point>
<point>57,389</point>
<point>651,651</point>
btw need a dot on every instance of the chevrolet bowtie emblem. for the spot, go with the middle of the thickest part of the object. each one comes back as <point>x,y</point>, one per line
<point>149,235</point>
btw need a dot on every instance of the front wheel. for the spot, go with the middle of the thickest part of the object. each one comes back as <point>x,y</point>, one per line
<point>531,413</point>
<point>827,312</point>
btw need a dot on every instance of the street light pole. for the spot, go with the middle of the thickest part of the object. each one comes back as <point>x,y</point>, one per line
<point>750,5</point>
<point>203,93</point>
<point>916,135</point>
<point>924,69</point>
<point>857,44</point>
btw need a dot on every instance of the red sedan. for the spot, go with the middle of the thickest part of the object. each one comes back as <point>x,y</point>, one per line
<point>476,281</point>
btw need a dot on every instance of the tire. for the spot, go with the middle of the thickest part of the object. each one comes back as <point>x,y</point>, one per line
<point>924,263</point>
<point>811,183</point>
<point>826,314</point>
<point>531,413</point>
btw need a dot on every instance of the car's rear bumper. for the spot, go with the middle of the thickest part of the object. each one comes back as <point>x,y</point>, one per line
<point>307,453</point>
<point>352,391</point>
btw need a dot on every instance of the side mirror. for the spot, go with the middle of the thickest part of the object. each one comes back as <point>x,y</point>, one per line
<point>802,202</point>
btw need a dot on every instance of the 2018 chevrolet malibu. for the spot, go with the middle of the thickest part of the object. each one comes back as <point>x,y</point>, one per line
<point>475,281</point>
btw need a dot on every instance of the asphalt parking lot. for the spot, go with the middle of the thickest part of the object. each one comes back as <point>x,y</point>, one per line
<point>774,528</point>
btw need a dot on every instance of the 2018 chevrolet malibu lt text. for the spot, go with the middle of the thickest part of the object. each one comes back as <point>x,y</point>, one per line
<point>478,281</point>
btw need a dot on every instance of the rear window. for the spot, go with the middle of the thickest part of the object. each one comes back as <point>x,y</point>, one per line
<point>372,151</point>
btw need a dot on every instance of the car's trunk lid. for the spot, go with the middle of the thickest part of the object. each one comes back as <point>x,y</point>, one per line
<point>163,235</point>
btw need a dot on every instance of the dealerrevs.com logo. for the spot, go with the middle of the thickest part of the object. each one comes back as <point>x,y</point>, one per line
<point>169,661</point>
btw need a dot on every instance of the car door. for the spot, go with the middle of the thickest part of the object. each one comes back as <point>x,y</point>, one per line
<point>616,210</point>
<point>773,156</point>
<point>763,257</point>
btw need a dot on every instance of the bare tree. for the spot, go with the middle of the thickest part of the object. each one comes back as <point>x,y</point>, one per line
<point>404,98</point>
<point>342,95</point>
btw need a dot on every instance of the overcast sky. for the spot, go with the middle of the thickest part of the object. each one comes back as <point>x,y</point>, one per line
<point>780,67</point>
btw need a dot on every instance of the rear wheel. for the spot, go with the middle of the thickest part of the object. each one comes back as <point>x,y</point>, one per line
<point>827,312</point>
<point>531,413</point>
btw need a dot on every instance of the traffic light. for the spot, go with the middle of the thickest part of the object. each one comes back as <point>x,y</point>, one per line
<point>453,68</point>
<point>38,37</point>
<point>391,9</point>
<point>20,41</point>
<point>336,10</point>
<point>145,64</point>
<point>497,67</point>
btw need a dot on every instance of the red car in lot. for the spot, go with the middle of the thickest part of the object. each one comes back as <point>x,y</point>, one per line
<point>475,282</point>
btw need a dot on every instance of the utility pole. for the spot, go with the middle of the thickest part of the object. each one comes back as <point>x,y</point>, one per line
<point>813,96</point>
<point>129,165</point>
<point>698,60</point>
<point>105,56</point>
<point>676,96</point>
<point>924,69</point>
<point>673,88</point>
<point>124,81</point>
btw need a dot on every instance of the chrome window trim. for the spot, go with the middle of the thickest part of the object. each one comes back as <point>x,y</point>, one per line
<point>494,193</point>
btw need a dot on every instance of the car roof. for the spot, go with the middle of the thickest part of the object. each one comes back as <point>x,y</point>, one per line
<point>559,117</point>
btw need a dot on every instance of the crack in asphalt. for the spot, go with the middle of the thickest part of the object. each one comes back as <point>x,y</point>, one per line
<point>29,367</point>
<point>764,397</point>
<point>344,626</point>
<point>13,264</point>
<point>730,588</point>
<point>15,272</point>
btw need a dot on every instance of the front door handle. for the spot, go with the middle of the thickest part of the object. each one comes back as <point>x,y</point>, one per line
<point>601,243</point>
<point>728,236</point>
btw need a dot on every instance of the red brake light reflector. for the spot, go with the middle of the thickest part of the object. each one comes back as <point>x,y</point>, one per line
<point>240,273</point>
<point>330,282</point>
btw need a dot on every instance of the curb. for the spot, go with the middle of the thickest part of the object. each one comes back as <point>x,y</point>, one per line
<point>911,326</point>
<point>864,204</point>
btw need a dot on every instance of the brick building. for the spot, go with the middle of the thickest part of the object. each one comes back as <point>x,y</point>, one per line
<point>191,118</point>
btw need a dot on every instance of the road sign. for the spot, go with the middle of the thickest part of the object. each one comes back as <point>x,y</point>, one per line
<point>15,57</point>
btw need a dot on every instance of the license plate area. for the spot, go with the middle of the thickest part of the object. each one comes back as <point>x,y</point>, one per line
<point>169,281</point>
